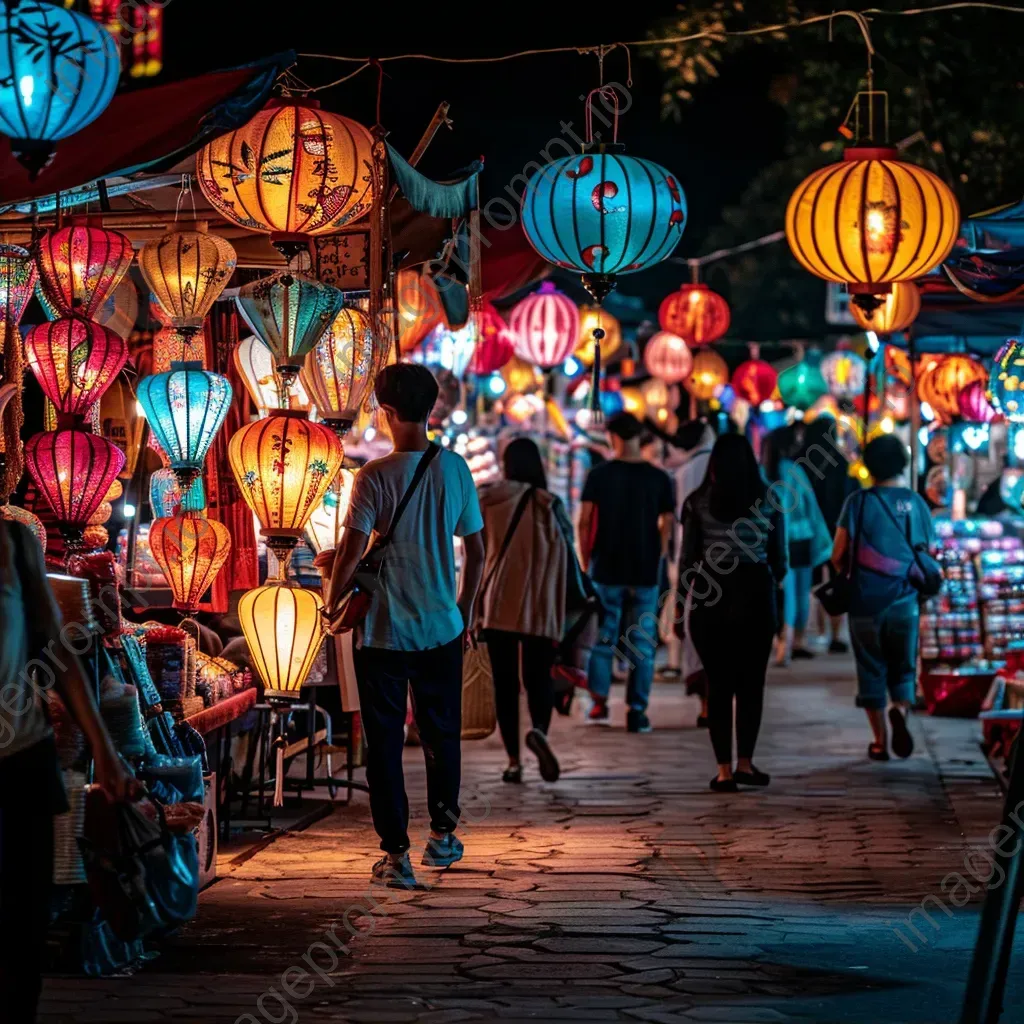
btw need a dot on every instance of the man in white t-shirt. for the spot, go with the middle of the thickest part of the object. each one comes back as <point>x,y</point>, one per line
<point>414,633</point>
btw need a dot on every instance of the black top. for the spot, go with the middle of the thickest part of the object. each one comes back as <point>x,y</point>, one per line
<point>832,483</point>
<point>629,497</point>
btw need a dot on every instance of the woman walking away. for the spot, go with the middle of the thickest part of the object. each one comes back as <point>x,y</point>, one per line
<point>734,556</point>
<point>810,542</point>
<point>529,561</point>
<point>878,532</point>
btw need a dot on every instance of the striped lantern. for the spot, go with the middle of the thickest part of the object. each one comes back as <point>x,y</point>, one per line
<point>1006,381</point>
<point>340,370</point>
<point>897,312</point>
<point>545,327</point>
<point>667,358</point>
<point>80,266</point>
<point>845,372</point>
<point>190,550</point>
<point>695,313</point>
<point>418,307</point>
<point>494,347</point>
<point>941,379</point>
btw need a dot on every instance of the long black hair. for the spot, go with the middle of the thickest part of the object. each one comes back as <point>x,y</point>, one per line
<point>778,445</point>
<point>734,479</point>
<point>522,463</point>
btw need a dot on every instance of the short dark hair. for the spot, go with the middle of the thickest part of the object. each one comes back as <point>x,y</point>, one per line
<point>885,457</point>
<point>409,389</point>
<point>626,426</point>
<point>689,435</point>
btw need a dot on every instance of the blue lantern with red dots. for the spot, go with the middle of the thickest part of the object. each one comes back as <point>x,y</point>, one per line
<point>603,213</point>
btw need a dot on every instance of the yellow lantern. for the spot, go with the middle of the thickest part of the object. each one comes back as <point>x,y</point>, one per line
<point>324,529</point>
<point>897,312</point>
<point>283,627</point>
<point>941,379</point>
<point>521,376</point>
<point>186,271</point>
<point>592,317</point>
<point>870,221</point>
<point>633,402</point>
<point>709,374</point>
<point>655,392</point>
<point>255,365</point>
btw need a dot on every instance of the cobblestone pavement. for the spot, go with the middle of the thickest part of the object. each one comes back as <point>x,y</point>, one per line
<point>625,892</point>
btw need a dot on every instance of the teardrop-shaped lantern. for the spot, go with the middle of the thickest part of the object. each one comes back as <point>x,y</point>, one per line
<point>709,375</point>
<point>289,313</point>
<point>545,327</point>
<point>191,550</point>
<point>324,529</point>
<point>339,372</point>
<point>494,347</point>
<point>284,465</point>
<point>591,318</point>
<point>754,381</point>
<point>80,266</point>
<point>845,373</point>
<point>186,271</point>
<point>185,408</point>
<point>255,365</point>
<point>667,357</point>
<point>74,361</point>
<point>119,310</point>
<point>898,310</point>
<point>520,376</point>
<point>697,314</point>
<point>17,279</point>
<point>283,627</point>
<point>166,497</point>
<point>802,384</point>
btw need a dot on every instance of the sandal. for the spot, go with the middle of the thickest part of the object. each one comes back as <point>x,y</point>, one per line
<point>877,752</point>
<point>513,774</point>
<point>902,741</point>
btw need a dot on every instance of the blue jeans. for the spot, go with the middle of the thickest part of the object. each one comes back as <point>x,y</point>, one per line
<point>796,590</point>
<point>629,628</point>
<point>885,648</point>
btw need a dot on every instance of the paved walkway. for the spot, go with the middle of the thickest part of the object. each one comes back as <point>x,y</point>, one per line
<point>625,892</point>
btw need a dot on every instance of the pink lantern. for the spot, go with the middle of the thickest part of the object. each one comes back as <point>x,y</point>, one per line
<point>545,327</point>
<point>974,404</point>
<point>494,347</point>
<point>667,358</point>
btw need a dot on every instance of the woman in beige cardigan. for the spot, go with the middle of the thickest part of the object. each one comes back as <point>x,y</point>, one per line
<point>528,537</point>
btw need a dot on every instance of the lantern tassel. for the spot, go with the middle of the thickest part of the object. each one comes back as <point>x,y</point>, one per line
<point>595,377</point>
<point>279,772</point>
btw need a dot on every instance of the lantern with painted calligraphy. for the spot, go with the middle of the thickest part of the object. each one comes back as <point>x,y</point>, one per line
<point>897,312</point>
<point>418,306</point>
<point>845,373</point>
<point>974,404</point>
<point>667,357</point>
<point>340,371</point>
<point>942,379</point>
<point>80,266</point>
<point>545,327</point>
<point>709,375</point>
<point>494,347</point>
<point>1006,382</point>
<point>324,529</point>
<point>695,313</point>
<point>754,381</point>
<point>191,550</point>
<point>591,318</point>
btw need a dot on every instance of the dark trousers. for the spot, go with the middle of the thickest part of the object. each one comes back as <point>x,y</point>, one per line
<point>538,655</point>
<point>384,679</point>
<point>733,637</point>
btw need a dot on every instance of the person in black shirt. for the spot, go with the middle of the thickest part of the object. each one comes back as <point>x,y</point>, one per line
<point>626,520</point>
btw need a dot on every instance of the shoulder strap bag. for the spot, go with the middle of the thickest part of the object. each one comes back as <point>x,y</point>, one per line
<point>354,605</point>
<point>835,593</point>
<point>925,573</point>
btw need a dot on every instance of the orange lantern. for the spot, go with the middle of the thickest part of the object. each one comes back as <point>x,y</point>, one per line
<point>942,378</point>
<point>695,313</point>
<point>521,376</point>
<point>592,317</point>
<point>897,312</point>
<point>667,358</point>
<point>418,306</point>
<point>190,550</point>
<point>709,375</point>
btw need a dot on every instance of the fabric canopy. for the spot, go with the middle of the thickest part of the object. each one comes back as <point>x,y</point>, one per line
<point>991,232</point>
<point>432,197</point>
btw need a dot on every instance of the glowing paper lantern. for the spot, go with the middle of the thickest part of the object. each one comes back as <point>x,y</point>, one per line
<point>695,313</point>
<point>283,627</point>
<point>60,71</point>
<point>871,221</point>
<point>80,266</point>
<point>803,384</point>
<point>845,373</point>
<point>494,347</point>
<point>897,365</point>
<point>591,318</point>
<point>451,349</point>
<point>545,327</point>
<point>284,465</point>
<point>256,367</point>
<point>667,358</point>
<point>294,170</point>
<point>17,279</point>
<point>656,393</point>
<point>324,529</point>
<point>73,470</point>
<point>289,313</point>
<point>74,361</point>
<point>520,376</point>
<point>897,312</point>
<point>185,408</point>
<point>1006,382</point>
<point>191,551</point>
<point>418,306</point>
<point>942,379</point>
<point>186,271</point>
<point>520,408</point>
<point>14,514</point>
<point>165,494</point>
<point>709,375</point>
<point>340,371</point>
<point>104,510</point>
<point>121,421</point>
<point>633,402</point>
<point>974,404</point>
<point>174,344</point>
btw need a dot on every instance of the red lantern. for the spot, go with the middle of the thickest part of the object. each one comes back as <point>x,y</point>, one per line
<point>74,471</point>
<point>754,381</point>
<point>494,347</point>
<point>695,313</point>
<point>545,327</point>
<point>974,404</point>
<point>74,361</point>
<point>191,550</point>
<point>80,265</point>
<point>667,358</point>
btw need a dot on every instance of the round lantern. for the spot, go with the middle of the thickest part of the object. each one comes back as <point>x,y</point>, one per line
<point>115,491</point>
<point>324,529</point>
<point>974,404</point>
<point>710,373</point>
<point>14,514</point>
<point>340,371</point>
<point>447,348</point>
<point>289,313</point>
<point>633,402</point>
<point>73,470</point>
<point>802,384</point>
<point>667,358</point>
<point>74,361</point>
<point>898,310</point>
<point>418,306</point>
<point>592,318</point>
<point>80,266</point>
<point>176,344</point>
<point>845,373</point>
<point>494,347</point>
<point>104,510</point>
<point>294,170</point>
<point>284,465</point>
<point>656,393</point>
<point>283,627</point>
<point>545,327</point>
<point>520,376</point>
<point>185,408</point>
<point>871,221</point>
<point>255,365</point>
<point>520,408</point>
<point>186,271</point>
<point>60,70</point>
<point>190,550</point>
<point>165,494</point>
<point>943,378</point>
<point>1006,382</point>
<point>695,313</point>
<point>754,381</point>
<point>17,279</point>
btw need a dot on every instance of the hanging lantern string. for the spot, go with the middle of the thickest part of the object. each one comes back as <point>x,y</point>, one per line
<point>606,92</point>
<point>186,189</point>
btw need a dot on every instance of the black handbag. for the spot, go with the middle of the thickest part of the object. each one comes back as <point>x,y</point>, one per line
<point>834,594</point>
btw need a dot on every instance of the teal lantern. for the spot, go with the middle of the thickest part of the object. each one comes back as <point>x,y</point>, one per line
<point>289,313</point>
<point>1006,382</point>
<point>803,384</point>
<point>185,408</point>
<point>58,72</point>
<point>601,212</point>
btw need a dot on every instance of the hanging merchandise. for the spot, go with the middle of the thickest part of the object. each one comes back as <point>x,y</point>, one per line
<point>545,327</point>
<point>418,307</point>
<point>603,213</point>
<point>191,550</point>
<point>941,379</point>
<point>974,405</point>
<point>255,365</point>
<point>709,375</point>
<point>324,529</point>
<point>289,313</point>
<point>80,266</point>
<point>695,313</point>
<point>592,318</point>
<point>521,377</point>
<point>667,358</point>
<point>898,310</point>
<point>1006,381</point>
<point>17,279</point>
<point>803,384</point>
<point>165,495</point>
<point>845,373</point>
<point>340,370</point>
<point>494,347</point>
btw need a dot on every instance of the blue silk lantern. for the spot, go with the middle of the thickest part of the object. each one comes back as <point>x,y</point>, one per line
<point>185,408</point>
<point>803,384</point>
<point>603,213</point>
<point>59,72</point>
<point>165,495</point>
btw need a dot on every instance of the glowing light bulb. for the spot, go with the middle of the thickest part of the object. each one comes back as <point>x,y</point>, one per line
<point>496,385</point>
<point>27,86</point>
<point>459,417</point>
<point>369,434</point>
<point>888,425</point>
<point>923,436</point>
<point>876,222</point>
<point>927,412</point>
<point>572,366</point>
<point>129,510</point>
